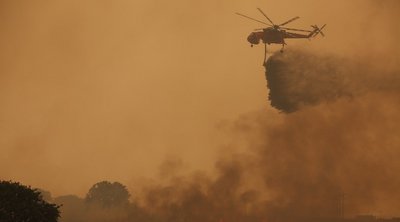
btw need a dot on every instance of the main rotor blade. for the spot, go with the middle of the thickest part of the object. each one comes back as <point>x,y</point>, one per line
<point>289,21</point>
<point>300,30</point>
<point>253,19</point>
<point>265,16</point>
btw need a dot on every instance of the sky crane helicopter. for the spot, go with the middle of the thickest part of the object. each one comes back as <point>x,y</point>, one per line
<point>277,34</point>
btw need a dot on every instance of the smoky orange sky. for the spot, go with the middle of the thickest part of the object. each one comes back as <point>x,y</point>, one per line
<point>108,90</point>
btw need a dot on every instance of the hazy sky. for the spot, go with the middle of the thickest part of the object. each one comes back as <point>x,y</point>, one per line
<point>94,90</point>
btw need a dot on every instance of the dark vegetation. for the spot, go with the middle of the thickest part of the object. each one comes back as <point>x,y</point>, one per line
<point>19,203</point>
<point>107,194</point>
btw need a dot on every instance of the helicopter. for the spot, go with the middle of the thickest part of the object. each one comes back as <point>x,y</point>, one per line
<point>276,34</point>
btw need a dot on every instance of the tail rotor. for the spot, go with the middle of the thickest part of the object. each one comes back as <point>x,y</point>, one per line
<point>318,30</point>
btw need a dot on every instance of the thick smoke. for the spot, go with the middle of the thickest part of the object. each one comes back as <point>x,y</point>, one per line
<point>299,78</point>
<point>346,147</point>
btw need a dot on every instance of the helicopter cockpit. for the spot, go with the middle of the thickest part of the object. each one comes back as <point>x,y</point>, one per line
<point>254,38</point>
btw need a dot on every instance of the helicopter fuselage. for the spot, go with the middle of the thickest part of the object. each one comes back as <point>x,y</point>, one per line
<point>272,35</point>
<point>268,36</point>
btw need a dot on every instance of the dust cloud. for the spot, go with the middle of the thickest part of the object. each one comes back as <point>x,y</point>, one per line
<point>100,90</point>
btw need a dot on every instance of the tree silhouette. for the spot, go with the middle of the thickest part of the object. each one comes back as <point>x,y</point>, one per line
<point>19,203</point>
<point>107,194</point>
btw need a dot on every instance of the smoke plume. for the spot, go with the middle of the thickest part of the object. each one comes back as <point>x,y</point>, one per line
<point>299,78</point>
